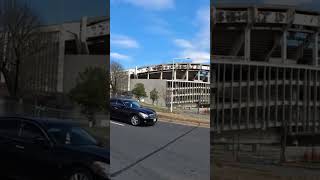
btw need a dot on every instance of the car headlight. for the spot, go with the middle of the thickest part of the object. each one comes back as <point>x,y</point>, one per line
<point>101,168</point>
<point>143,115</point>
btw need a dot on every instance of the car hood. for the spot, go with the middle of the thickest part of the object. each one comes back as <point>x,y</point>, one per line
<point>145,110</point>
<point>97,151</point>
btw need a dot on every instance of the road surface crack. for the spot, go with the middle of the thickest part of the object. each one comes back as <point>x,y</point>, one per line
<point>152,153</point>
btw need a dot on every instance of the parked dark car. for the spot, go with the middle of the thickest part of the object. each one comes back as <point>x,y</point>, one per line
<point>50,149</point>
<point>132,112</point>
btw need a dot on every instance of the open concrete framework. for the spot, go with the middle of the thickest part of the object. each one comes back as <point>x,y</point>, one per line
<point>191,81</point>
<point>265,74</point>
<point>265,64</point>
<point>186,92</point>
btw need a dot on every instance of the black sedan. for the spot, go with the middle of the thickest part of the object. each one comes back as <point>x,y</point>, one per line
<point>33,148</point>
<point>132,112</point>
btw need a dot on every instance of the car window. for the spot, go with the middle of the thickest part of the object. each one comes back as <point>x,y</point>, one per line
<point>119,102</point>
<point>9,127</point>
<point>71,135</point>
<point>31,131</point>
<point>132,104</point>
<point>113,101</point>
<point>79,136</point>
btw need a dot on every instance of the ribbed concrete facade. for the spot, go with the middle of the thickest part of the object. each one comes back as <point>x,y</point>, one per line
<point>265,68</point>
<point>191,82</point>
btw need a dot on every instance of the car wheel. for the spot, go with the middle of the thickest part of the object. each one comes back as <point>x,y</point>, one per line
<point>80,174</point>
<point>135,120</point>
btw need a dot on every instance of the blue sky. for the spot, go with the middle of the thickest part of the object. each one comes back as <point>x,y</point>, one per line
<point>145,32</point>
<point>305,4</point>
<point>59,11</point>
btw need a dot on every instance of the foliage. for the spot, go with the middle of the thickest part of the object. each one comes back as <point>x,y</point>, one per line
<point>139,91</point>
<point>90,91</point>
<point>154,95</point>
<point>116,75</point>
<point>21,39</point>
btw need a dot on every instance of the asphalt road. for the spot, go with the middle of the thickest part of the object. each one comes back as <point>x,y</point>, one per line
<point>165,151</point>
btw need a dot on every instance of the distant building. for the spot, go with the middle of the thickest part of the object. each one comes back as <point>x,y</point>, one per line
<point>73,46</point>
<point>190,83</point>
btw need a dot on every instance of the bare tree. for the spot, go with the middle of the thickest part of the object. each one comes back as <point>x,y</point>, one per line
<point>20,39</point>
<point>116,75</point>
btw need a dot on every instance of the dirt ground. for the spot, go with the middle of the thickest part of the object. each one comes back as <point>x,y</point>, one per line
<point>224,172</point>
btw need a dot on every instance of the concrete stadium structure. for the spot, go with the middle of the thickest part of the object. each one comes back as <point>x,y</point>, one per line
<point>190,82</point>
<point>265,73</point>
<point>72,47</point>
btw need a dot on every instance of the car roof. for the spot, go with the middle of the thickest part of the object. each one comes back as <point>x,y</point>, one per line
<point>43,121</point>
<point>123,99</point>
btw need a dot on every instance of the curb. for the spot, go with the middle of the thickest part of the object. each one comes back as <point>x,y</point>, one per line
<point>180,120</point>
<point>301,166</point>
<point>243,166</point>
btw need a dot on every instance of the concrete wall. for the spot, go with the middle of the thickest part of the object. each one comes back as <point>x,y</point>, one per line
<point>73,64</point>
<point>149,85</point>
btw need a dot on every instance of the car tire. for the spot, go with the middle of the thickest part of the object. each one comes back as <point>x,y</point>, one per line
<point>135,120</point>
<point>80,174</point>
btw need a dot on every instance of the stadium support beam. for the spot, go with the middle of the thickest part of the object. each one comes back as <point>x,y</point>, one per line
<point>247,43</point>
<point>284,46</point>
<point>315,48</point>
<point>304,44</point>
<point>276,43</point>
<point>237,46</point>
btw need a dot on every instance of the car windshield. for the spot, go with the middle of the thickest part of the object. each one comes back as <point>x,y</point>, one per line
<point>71,135</point>
<point>132,104</point>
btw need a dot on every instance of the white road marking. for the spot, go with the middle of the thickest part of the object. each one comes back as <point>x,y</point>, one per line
<point>116,123</point>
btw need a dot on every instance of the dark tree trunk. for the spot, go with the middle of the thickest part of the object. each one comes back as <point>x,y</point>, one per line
<point>17,73</point>
<point>283,145</point>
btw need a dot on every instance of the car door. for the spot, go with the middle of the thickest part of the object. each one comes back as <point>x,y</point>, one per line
<point>36,152</point>
<point>113,108</point>
<point>9,161</point>
<point>122,110</point>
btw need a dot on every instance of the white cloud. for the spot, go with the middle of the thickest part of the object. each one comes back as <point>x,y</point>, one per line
<point>288,2</point>
<point>149,4</point>
<point>183,43</point>
<point>118,56</point>
<point>197,56</point>
<point>198,47</point>
<point>123,41</point>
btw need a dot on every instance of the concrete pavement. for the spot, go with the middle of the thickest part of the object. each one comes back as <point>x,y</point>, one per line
<point>165,151</point>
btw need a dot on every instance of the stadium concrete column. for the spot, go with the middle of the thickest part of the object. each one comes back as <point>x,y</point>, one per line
<point>284,46</point>
<point>61,59</point>
<point>83,35</point>
<point>187,72</point>
<point>161,74</point>
<point>129,82</point>
<point>247,43</point>
<point>315,48</point>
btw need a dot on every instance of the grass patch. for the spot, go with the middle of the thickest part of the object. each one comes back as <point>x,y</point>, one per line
<point>156,108</point>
